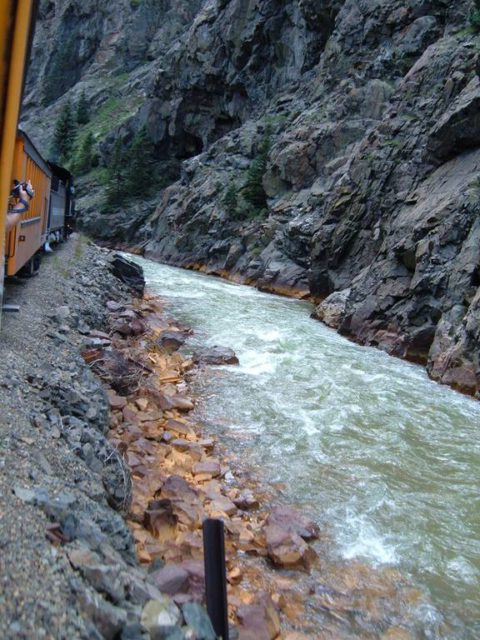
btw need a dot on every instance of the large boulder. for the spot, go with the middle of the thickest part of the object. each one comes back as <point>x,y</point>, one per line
<point>215,356</point>
<point>128,272</point>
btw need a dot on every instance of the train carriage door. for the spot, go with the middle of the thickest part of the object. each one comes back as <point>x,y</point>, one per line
<point>16,30</point>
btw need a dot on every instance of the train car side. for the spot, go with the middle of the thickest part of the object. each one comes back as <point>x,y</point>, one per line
<point>26,239</point>
<point>61,210</point>
<point>17,21</point>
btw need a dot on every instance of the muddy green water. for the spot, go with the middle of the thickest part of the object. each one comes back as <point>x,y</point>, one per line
<point>387,459</point>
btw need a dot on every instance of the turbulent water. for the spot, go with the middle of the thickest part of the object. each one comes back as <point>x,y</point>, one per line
<point>387,459</point>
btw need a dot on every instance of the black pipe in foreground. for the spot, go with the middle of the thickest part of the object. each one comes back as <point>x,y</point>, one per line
<point>215,575</point>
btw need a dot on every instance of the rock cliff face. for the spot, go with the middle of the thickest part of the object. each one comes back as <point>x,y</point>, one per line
<point>370,189</point>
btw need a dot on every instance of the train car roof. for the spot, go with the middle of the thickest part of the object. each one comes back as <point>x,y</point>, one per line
<point>61,172</point>
<point>34,152</point>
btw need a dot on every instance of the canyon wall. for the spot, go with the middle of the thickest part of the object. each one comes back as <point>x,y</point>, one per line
<point>356,124</point>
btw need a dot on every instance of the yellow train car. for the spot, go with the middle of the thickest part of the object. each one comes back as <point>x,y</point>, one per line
<point>17,18</point>
<point>29,235</point>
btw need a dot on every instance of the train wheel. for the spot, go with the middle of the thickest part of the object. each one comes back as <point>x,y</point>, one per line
<point>32,267</point>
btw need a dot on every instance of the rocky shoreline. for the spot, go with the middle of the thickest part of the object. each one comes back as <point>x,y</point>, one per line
<point>107,476</point>
<point>68,563</point>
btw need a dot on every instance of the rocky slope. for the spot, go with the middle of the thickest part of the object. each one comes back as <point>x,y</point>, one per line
<point>369,112</point>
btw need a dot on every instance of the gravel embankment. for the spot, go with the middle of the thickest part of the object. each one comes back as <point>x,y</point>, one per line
<point>58,476</point>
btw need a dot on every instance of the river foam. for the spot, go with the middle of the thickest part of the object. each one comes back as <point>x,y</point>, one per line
<point>387,459</point>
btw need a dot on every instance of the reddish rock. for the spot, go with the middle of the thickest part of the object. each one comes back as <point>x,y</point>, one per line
<point>246,500</point>
<point>137,327</point>
<point>171,340</point>
<point>258,622</point>
<point>122,327</point>
<point>293,521</point>
<point>176,488</point>
<point>196,578</point>
<point>116,402</point>
<point>171,579</point>
<point>129,415</point>
<point>160,520</point>
<point>287,549</point>
<point>179,428</point>
<point>207,467</point>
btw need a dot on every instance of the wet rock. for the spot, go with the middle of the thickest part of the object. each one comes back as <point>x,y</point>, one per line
<point>294,521</point>
<point>171,340</point>
<point>215,356</point>
<point>287,549</point>
<point>128,272</point>
<point>332,310</point>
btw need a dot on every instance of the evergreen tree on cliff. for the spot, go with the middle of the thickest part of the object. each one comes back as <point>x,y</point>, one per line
<point>253,191</point>
<point>85,157</point>
<point>140,164</point>
<point>83,112</point>
<point>116,176</point>
<point>63,135</point>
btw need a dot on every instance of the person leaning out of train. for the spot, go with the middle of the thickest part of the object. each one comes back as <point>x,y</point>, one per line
<point>21,195</point>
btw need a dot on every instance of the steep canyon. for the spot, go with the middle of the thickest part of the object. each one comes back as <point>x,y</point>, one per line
<point>355,122</point>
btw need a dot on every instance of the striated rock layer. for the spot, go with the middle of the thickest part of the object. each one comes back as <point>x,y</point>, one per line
<point>369,109</point>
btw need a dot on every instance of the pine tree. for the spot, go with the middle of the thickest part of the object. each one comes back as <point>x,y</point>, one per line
<point>84,160</point>
<point>63,135</point>
<point>83,112</point>
<point>253,191</point>
<point>140,173</point>
<point>231,200</point>
<point>116,187</point>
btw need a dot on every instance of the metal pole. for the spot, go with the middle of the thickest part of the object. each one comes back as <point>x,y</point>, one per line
<point>215,575</point>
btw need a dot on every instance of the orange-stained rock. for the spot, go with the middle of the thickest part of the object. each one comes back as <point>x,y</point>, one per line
<point>160,520</point>
<point>142,403</point>
<point>258,622</point>
<point>235,575</point>
<point>194,451</point>
<point>179,428</point>
<point>294,521</point>
<point>224,505</point>
<point>287,549</point>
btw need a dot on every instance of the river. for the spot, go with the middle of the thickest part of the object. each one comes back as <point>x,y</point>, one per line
<point>386,459</point>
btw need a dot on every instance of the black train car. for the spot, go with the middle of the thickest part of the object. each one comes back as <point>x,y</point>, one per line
<point>61,215</point>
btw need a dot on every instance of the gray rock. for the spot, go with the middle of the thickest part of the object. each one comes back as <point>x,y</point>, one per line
<point>170,579</point>
<point>197,618</point>
<point>215,356</point>
<point>160,617</point>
